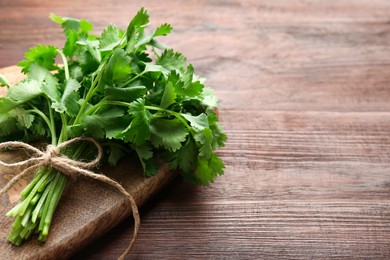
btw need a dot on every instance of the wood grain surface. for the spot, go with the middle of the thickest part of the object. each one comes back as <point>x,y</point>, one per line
<point>304,91</point>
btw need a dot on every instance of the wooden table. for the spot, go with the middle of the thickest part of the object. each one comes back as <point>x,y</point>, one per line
<point>304,90</point>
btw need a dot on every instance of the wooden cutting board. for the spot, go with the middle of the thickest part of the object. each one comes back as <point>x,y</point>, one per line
<point>87,209</point>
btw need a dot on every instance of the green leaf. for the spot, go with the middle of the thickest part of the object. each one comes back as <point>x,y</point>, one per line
<point>199,122</point>
<point>55,18</point>
<point>136,26</point>
<point>158,45</point>
<point>7,124</point>
<point>190,88</point>
<point>118,67</point>
<point>69,99</point>
<point>205,139</point>
<point>110,38</point>
<point>116,152</point>
<point>72,24</point>
<point>70,44</point>
<point>163,30</point>
<point>144,151</point>
<point>169,96</point>
<point>138,130</point>
<point>85,26</point>
<point>171,60</point>
<point>41,54</point>
<point>183,86</point>
<point>185,158</point>
<point>127,94</point>
<point>219,138</point>
<point>24,118</point>
<point>7,104</point>
<point>87,61</point>
<point>25,91</point>
<point>4,82</point>
<point>48,83</point>
<point>208,98</point>
<point>168,133</point>
<point>155,68</point>
<point>97,125</point>
<point>208,169</point>
<point>148,163</point>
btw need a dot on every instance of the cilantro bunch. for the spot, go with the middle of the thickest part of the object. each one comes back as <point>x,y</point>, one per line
<point>122,88</point>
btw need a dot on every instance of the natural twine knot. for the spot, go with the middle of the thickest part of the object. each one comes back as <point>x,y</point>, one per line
<point>52,157</point>
<point>51,151</point>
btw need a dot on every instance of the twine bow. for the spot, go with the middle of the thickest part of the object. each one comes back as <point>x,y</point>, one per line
<point>52,157</point>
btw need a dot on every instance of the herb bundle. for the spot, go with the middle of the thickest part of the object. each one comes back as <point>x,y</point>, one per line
<point>122,88</point>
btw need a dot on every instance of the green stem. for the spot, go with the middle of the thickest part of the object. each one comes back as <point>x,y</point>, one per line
<point>52,125</point>
<point>132,79</point>
<point>63,134</point>
<point>91,92</point>
<point>65,61</point>
<point>96,106</point>
<point>173,113</point>
<point>48,122</point>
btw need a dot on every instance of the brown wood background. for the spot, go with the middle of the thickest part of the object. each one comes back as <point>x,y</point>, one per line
<point>305,100</point>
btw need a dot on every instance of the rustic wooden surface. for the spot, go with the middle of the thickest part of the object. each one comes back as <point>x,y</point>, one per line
<point>305,100</point>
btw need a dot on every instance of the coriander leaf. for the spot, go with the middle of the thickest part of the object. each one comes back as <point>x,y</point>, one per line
<point>145,155</point>
<point>4,82</point>
<point>72,24</point>
<point>137,24</point>
<point>8,124</point>
<point>158,45</point>
<point>25,91</point>
<point>155,68</point>
<point>205,139</point>
<point>39,129</point>
<point>38,73</point>
<point>7,104</point>
<point>96,125</point>
<point>127,94</point>
<point>208,98</point>
<point>185,158</point>
<point>199,122</point>
<point>185,89</point>
<point>138,130</point>
<point>150,167</point>
<point>191,88</point>
<point>70,45</point>
<point>118,67</point>
<point>55,18</point>
<point>24,118</point>
<point>143,39</point>
<point>163,30</point>
<point>110,38</point>
<point>219,138</point>
<point>87,61</point>
<point>169,96</point>
<point>116,152</point>
<point>41,54</point>
<point>74,30</point>
<point>208,169</point>
<point>168,133</point>
<point>85,26</point>
<point>48,83</point>
<point>68,102</point>
<point>171,60</point>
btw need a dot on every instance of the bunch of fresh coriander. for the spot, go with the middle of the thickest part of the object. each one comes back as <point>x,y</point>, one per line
<point>124,89</point>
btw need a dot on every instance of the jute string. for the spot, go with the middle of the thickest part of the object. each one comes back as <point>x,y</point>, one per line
<point>52,157</point>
